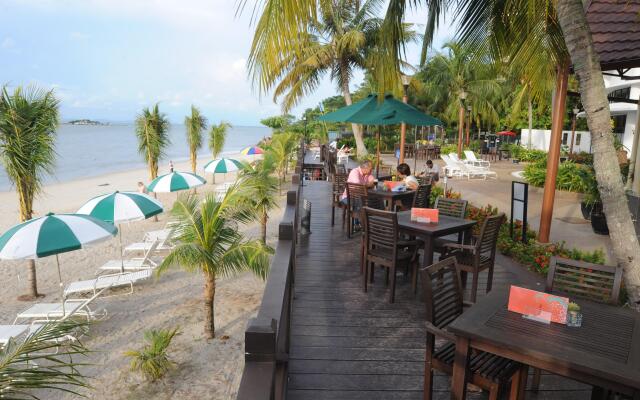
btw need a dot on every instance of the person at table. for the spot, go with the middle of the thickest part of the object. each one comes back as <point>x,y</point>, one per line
<point>404,173</point>
<point>361,175</point>
<point>433,170</point>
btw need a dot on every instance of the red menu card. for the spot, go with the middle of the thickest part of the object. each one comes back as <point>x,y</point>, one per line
<point>428,215</point>
<point>540,305</point>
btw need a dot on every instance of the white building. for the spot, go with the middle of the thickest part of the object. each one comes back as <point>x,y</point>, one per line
<point>624,116</point>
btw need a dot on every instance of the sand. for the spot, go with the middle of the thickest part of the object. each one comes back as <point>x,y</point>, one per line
<point>206,369</point>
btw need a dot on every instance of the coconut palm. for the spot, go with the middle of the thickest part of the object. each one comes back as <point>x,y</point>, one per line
<point>209,242</point>
<point>28,121</point>
<point>343,39</point>
<point>261,189</point>
<point>45,359</point>
<point>195,124</point>
<point>217,138</point>
<point>281,150</point>
<point>152,129</point>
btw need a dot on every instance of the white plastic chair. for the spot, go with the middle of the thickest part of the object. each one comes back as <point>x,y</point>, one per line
<point>471,157</point>
<point>111,281</point>
<point>133,264</point>
<point>54,311</point>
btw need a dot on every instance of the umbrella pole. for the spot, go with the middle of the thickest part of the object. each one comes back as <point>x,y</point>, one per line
<point>378,155</point>
<point>415,149</point>
<point>121,253</point>
<point>61,288</point>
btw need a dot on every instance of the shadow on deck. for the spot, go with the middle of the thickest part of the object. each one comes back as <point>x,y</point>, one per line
<point>347,344</point>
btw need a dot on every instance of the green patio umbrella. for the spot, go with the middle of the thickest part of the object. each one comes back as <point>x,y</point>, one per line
<point>389,111</point>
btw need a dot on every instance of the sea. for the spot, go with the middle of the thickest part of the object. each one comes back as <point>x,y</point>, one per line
<point>85,151</point>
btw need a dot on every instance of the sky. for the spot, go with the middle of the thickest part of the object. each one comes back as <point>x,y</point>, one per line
<point>108,59</point>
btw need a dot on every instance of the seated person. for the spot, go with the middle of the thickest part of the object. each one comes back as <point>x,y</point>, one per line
<point>361,175</point>
<point>404,173</point>
<point>433,170</point>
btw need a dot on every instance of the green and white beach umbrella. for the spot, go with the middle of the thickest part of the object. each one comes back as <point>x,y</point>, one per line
<point>222,166</point>
<point>51,235</point>
<point>119,207</point>
<point>175,181</point>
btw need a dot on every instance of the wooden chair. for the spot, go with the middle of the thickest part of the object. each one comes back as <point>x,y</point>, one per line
<point>594,282</point>
<point>475,258</point>
<point>356,199</point>
<point>382,249</point>
<point>339,184</point>
<point>421,198</point>
<point>456,208</point>
<point>443,299</point>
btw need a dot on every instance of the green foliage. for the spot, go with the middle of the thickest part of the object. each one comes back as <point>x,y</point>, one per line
<point>532,254</point>
<point>45,359</point>
<point>152,131</point>
<point>152,360</point>
<point>261,189</point>
<point>281,150</point>
<point>524,154</point>
<point>195,124</point>
<point>573,307</point>
<point>217,138</point>
<point>571,177</point>
<point>28,122</point>
<point>278,122</point>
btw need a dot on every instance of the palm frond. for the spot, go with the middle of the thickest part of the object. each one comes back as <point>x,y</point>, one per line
<point>217,137</point>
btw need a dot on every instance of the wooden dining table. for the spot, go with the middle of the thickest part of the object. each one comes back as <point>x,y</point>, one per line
<point>390,197</point>
<point>603,352</point>
<point>428,232</point>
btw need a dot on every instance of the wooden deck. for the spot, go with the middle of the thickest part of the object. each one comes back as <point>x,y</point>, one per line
<point>347,344</point>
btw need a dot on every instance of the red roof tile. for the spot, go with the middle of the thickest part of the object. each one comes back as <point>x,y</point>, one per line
<point>615,26</point>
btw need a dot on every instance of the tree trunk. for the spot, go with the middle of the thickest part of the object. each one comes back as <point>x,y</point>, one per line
<point>530,111</point>
<point>209,297</point>
<point>361,149</point>
<point>193,161</point>
<point>586,64</point>
<point>26,213</point>
<point>263,227</point>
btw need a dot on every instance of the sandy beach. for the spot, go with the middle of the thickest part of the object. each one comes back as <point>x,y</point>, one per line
<point>205,369</point>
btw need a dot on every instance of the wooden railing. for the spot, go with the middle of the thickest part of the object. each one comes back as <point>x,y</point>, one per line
<point>267,335</point>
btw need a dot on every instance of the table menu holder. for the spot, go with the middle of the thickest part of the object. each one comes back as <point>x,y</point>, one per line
<point>538,306</point>
<point>424,215</point>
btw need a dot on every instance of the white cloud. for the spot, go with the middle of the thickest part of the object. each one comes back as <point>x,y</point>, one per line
<point>8,43</point>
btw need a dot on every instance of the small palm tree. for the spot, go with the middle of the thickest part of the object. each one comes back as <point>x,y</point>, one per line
<point>281,150</point>
<point>195,124</point>
<point>217,138</point>
<point>43,360</point>
<point>152,360</point>
<point>261,189</point>
<point>152,130</point>
<point>28,121</point>
<point>209,242</point>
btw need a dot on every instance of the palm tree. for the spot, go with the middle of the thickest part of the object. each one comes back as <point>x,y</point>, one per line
<point>152,129</point>
<point>209,242</point>
<point>281,149</point>
<point>195,124</point>
<point>28,121</point>
<point>342,40</point>
<point>45,359</point>
<point>217,138</point>
<point>261,189</point>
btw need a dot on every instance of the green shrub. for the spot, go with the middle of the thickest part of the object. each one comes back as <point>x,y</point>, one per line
<point>152,360</point>
<point>571,177</point>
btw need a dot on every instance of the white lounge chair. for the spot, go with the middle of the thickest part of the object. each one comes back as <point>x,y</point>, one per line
<point>160,245</point>
<point>53,311</point>
<point>451,168</point>
<point>471,157</point>
<point>8,332</point>
<point>470,171</point>
<point>132,264</point>
<point>111,281</point>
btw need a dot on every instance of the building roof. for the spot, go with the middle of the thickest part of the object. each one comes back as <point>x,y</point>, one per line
<point>615,26</point>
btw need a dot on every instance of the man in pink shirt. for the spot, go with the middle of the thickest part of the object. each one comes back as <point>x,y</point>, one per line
<point>361,175</point>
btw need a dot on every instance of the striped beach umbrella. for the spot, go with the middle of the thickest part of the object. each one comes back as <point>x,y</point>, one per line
<point>251,150</point>
<point>175,181</point>
<point>51,235</point>
<point>223,165</point>
<point>121,207</point>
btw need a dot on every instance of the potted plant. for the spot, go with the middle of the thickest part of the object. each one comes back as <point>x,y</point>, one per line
<point>574,316</point>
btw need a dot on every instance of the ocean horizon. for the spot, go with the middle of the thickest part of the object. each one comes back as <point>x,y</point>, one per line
<point>85,151</point>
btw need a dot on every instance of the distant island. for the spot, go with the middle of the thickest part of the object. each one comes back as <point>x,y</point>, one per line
<point>85,122</point>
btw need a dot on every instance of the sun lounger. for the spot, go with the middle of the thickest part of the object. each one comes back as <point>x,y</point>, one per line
<point>160,245</point>
<point>471,171</point>
<point>471,157</point>
<point>451,168</point>
<point>7,332</point>
<point>111,281</point>
<point>132,264</point>
<point>54,312</point>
